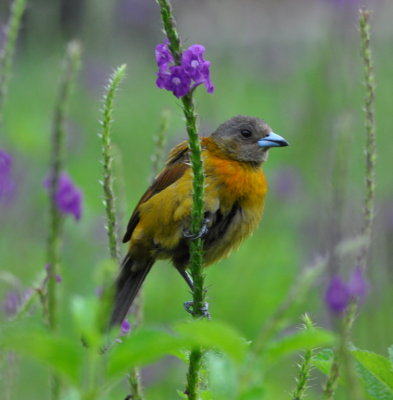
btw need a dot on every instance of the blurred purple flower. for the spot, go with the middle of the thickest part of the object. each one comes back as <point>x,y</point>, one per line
<point>68,197</point>
<point>339,293</point>
<point>180,79</point>
<point>287,182</point>
<point>358,285</point>
<point>125,327</point>
<point>6,182</point>
<point>13,301</point>
<point>337,296</point>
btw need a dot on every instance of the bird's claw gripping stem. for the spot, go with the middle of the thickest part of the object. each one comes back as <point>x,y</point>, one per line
<point>189,305</point>
<point>190,236</point>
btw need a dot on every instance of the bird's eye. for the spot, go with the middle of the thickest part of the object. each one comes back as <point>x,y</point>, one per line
<point>246,133</point>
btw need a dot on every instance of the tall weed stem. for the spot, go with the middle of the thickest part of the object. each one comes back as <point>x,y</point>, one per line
<point>369,109</point>
<point>305,367</point>
<point>109,196</point>
<point>7,54</point>
<point>107,159</point>
<point>196,246</point>
<point>71,66</point>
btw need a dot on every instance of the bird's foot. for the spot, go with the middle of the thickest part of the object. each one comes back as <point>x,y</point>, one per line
<point>189,306</point>
<point>187,234</point>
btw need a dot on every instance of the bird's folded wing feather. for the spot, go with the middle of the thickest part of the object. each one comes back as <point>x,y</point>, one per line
<point>176,165</point>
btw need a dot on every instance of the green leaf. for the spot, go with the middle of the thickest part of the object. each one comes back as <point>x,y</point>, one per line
<point>222,376</point>
<point>205,395</point>
<point>323,360</point>
<point>84,312</point>
<point>309,339</point>
<point>376,374</point>
<point>390,352</point>
<point>214,335</point>
<point>253,393</point>
<point>61,354</point>
<point>182,395</point>
<point>142,347</point>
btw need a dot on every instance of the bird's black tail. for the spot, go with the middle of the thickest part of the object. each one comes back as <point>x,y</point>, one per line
<point>128,283</point>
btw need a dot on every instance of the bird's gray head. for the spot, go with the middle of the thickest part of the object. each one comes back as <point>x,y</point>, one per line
<point>246,139</point>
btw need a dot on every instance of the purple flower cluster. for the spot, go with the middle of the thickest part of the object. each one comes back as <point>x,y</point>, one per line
<point>339,293</point>
<point>68,197</point>
<point>6,182</point>
<point>193,71</point>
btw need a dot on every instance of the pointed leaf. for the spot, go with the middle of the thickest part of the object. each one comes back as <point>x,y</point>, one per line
<point>309,339</point>
<point>62,354</point>
<point>376,373</point>
<point>140,348</point>
<point>323,360</point>
<point>214,335</point>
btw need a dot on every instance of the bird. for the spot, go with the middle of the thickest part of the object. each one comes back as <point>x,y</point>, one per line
<point>235,190</point>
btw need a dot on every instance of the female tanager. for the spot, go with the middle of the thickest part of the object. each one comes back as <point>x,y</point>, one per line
<point>235,190</point>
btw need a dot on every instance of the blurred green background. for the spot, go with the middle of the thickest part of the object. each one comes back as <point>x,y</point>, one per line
<point>294,63</point>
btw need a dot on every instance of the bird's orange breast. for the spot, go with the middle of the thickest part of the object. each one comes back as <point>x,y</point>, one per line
<point>235,184</point>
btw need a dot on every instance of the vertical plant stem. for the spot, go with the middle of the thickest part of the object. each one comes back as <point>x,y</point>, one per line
<point>332,380</point>
<point>369,109</point>
<point>305,367</point>
<point>71,65</point>
<point>354,391</point>
<point>107,180</point>
<point>196,246</point>
<point>109,196</point>
<point>7,54</point>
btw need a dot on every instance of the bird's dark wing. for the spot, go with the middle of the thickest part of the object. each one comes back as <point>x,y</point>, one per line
<point>176,165</point>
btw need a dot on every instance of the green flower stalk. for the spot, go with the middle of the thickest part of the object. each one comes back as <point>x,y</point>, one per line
<point>71,66</point>
<point>197,214</point>
<point>369,109</point>
<point>107,181</point>
<point>304,367</point>
<point>342,358</point>
<point>7,54</point>
<point>196,248</point>
<point>109,196</point>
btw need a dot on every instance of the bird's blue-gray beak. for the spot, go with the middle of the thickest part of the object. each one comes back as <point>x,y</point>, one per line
<point>272,140</point>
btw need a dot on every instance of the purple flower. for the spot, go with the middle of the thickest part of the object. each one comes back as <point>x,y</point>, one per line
<point>339,293</point>
<point>193,71</point>
<point>358,285</point>
<point>196,67</point>
<point>177,81</point>
<point>337,296</point>
<point>68,197</point>
<point>6,182</point>
<point>163,56</point>
<point>125,327</point>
